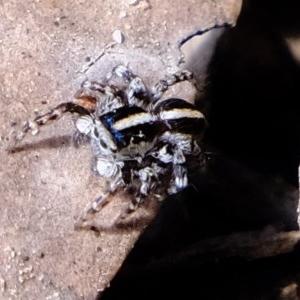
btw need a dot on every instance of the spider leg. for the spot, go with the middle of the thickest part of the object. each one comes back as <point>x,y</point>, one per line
<point>145,178</point>
<point>95,207</point>
<point>88,87</point>
<point>148,181</point>
<point>87,95</point>
<point>53,115</point>
<point>137,91</point>
<point>112,171</point>
<point>114,99</point>
<point>178,156</point>
<point>106,97</point>
<point>99,203</point>
<point>179,179</point>
<point>180,176</point>
<point>162,85</point>
<point>94,88</point>
<point>174,154</point>
<point>123,72</point>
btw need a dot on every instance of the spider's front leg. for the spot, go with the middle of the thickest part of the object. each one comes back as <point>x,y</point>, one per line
<point>162,85</point>
<point>106,97</point>
<point>53,115</point>
<point>137,91</point>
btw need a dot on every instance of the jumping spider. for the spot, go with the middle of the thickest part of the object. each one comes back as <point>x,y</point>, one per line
<point>139,142</point>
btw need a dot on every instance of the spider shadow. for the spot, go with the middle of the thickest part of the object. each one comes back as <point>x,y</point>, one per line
<point>120,227</point>
<point>126,222</point>
<point>63,141</point>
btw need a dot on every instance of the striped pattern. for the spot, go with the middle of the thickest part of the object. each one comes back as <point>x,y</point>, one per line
<point>133,120</point>
<point>179,113</point>
<point>130,125</point>
<point>133,125</point>
<point>180,116</point>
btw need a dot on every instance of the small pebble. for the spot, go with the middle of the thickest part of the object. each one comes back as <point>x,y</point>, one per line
<point>118,36</point>
<point>122,14</point>
<point>133,2</point>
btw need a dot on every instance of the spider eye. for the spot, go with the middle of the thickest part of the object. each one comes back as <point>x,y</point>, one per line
<point>103,144</point>
<point>96,133</point>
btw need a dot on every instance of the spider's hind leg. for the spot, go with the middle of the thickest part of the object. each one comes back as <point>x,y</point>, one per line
<point>112,171</point>
<point>145,177</point>
<point>150,181</point>
<point>179,180</point>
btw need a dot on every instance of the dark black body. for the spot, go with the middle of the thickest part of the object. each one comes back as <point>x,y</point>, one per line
<point>144,132</point>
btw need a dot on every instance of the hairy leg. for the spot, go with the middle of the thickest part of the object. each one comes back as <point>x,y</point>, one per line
<point>162,85</point>
<point>47,118</point>
<point>137,91</point>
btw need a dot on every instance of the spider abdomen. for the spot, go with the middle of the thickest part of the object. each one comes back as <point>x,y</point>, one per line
<point>180,116</point>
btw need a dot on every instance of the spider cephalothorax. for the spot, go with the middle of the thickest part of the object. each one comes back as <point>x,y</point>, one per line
<point>139,141</point>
